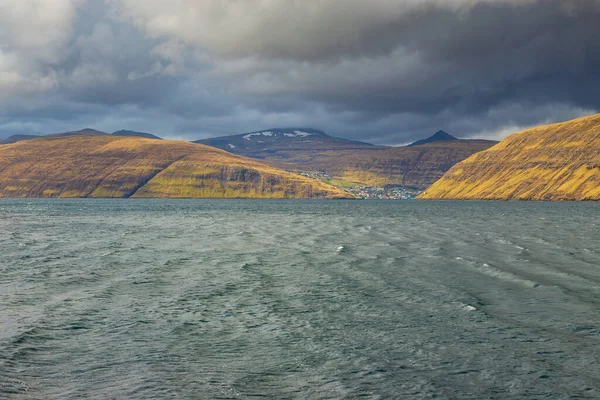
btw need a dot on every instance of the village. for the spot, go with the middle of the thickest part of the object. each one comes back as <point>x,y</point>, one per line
<point>370,192</point>
<point>385,193</point>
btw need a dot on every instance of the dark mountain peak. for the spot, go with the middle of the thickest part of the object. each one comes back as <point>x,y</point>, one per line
<point>18,138</point>
<point>124,132</point>
<point>89,131</point>
<point>269,141</point>
<point>439,136</point>
<point>443,135</point>
<point>81,132</point>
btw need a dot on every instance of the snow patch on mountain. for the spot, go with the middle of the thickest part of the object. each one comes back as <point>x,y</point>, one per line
<point>303,134</point>
<point>276,134</point>
<point>298,133</point>
<point>267,133</point>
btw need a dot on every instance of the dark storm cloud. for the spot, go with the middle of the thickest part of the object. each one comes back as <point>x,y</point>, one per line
<point>468,61</point>
<point>381,71</point>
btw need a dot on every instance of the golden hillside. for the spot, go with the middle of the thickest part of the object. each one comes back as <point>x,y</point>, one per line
<point>415,166</point>
<point>553,162</point>
<point>108,166</point>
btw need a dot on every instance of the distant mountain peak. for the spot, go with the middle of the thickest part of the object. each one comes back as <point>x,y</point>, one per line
<point>90,130</point>
<point>125,132</point>
<point>443,135</point>
<point>81,132</point>
<point>18,138</point>
<point>439,136</point>
<point>269,141</point>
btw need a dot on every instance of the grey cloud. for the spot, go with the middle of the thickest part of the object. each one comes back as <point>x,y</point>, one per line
<point>302,30</point>
<point>381,71</point>
<point>443,59</point>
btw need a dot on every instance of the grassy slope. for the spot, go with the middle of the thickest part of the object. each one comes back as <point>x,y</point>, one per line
<point>417,166</point>
<point>106,166</point>
<point>553,162</point>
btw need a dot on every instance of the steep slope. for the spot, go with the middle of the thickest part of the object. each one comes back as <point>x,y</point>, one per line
<point>109,166</point>
<point>553,162</point>
<point>354,163</point>
<point>124,132</point>
<point>439,136</point>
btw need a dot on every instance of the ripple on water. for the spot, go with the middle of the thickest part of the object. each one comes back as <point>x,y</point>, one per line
<point>284,299</point>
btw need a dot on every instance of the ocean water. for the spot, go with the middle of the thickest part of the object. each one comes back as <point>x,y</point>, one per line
<point>169,299</point>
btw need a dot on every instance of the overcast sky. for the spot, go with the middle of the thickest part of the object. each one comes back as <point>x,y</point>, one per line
<point>382,71</point>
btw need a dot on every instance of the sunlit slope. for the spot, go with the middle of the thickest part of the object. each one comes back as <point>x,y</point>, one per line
<point>553,162</point>
<point>351,162</point>
<point>416,166</point>
<point>107,166</point>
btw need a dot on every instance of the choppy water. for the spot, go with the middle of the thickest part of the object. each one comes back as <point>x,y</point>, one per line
<point>297,299</point>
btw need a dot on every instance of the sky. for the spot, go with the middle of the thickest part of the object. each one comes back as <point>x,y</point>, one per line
<point>381,71</point>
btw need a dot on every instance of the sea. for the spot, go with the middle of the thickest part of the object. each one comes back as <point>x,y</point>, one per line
<point>290,299</point>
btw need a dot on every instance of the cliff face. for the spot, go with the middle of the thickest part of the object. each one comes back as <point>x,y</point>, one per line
<point>108,166</point>
<point>553,162</point>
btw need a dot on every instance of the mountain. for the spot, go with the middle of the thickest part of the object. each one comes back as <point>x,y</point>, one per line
<point>439,136</point>
<point>18,138</point>
<point>552,162</point>
<point>262,143</point>
<point>411,166</point>
<point>103,165</point>
<point>349,162</point>
<point>124,132</point>
<point>82,132</point>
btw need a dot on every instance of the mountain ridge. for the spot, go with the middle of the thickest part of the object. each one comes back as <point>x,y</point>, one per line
<point>123,167</point>
<point>18,138</point>
<point>80,132</point>
<point>439,136</point>
<point>252,143</point>
<point>351,162</point>
<point>130,133</point>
